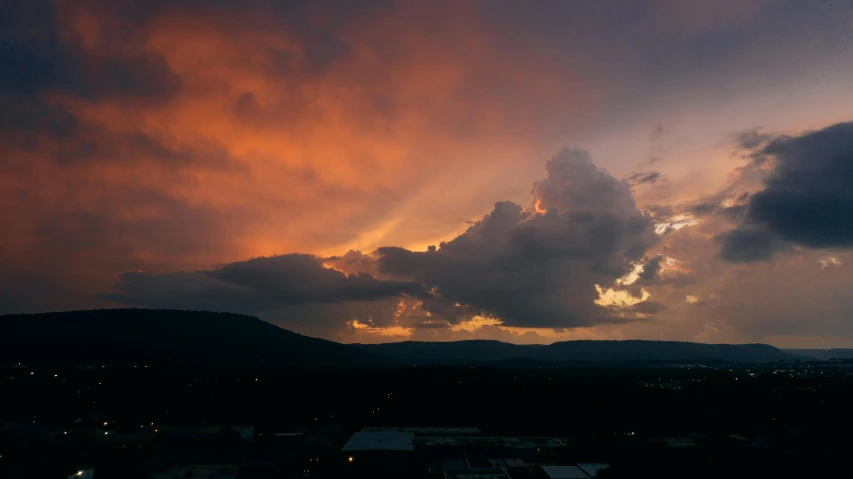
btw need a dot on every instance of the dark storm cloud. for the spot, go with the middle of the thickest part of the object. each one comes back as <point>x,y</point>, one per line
<point>807,197</point>
<point>37,57</point>
<point>651,268</point>
<point>79,250</point>
<point>257,285</point>
<point>24,114</point>
<point>177,229</point>
<point>714,206</point>
<point>40,53</point>
<point>92,146</point>
<point>645,307</point>
<point>748,243</point>
<point>752,138</point>
<point>40,58</point>
<point>539,270</point>
<point>639,178</point>
<point>704,208</point>
<point>736,213</point>
<point>316,26</point>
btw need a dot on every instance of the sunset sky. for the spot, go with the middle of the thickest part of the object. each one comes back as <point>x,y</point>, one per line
<point>382,171</point>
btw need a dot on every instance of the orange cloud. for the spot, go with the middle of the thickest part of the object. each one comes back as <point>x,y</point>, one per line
<point>252,131</point>
<point>165,136</point>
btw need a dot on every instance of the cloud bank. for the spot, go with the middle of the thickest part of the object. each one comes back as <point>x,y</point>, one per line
<point>165,142</point>
<point>806,200</point>
<point>534,268</point>
<point>539,268</point>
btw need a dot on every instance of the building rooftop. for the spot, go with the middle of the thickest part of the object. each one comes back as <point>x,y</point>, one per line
<point>427,431</point>
<point>209,432</point>
<point>201,472</point>
<point>516,462</point>
<point>454,464</point>
<point>380,441</point>
<point>679,442</point>
<point>190,431</point>
<point>564,472</point>
<point>592,468</point>
<point>476,473</point>
<point>492,441</point>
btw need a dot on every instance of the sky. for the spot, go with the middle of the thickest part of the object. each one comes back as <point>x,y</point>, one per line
<point>381,171</point>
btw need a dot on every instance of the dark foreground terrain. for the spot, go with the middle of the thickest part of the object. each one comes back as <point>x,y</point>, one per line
<point>165,394</point>
<point>682,421</point>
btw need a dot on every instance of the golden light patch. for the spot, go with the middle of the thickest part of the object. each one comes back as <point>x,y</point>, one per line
<point>829,261</point>
<point>387,331</point>
<point>475,323</point>
<point>675,223</point>
<point>332,267</point>
<point>632,276</point>
<point>618,298</point>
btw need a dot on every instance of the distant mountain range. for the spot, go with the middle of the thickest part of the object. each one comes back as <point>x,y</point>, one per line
<point>823,354</point>
<point>223,340</point>
<point>633,351</point>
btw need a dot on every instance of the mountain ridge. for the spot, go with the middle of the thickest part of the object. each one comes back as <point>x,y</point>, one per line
<point>634,350</point>
<point>823,354</point>
<point>167,337</point>
<point>211,339</point>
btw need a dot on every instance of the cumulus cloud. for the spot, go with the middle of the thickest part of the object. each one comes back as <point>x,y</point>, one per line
<point>539,268</point>
<point>806,200</point>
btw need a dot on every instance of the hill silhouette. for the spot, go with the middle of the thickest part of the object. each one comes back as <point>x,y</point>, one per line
<point>166,337</point>
<point>630,351</point>
<point>224,340</point>
<point>823,354</point>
